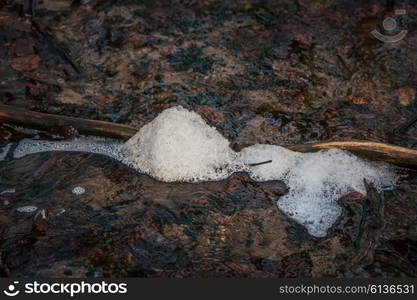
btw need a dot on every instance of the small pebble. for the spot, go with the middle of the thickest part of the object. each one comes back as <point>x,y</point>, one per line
<point>78,190</point>
<point>27,209</point>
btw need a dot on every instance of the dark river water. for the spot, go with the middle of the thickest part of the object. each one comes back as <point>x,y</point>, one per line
<point>272,72</point>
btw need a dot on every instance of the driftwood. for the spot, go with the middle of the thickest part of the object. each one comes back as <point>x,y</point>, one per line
<point>401,156</point>
<point>42,121</point>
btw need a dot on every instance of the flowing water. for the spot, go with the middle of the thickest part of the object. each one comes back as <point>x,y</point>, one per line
<point>180,146</point>
<point>261,74</point>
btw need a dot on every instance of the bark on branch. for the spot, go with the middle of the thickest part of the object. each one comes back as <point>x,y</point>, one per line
<point>397,155</point>
<point>43,121</point>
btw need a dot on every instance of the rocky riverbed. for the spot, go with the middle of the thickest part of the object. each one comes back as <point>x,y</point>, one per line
<point>273,72</point>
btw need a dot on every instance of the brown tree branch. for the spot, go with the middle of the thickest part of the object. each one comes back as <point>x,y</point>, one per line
<point>36,120</point>
<point>397,155</point>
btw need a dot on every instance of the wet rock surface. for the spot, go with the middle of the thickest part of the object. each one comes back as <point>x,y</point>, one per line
<point>272,72</point>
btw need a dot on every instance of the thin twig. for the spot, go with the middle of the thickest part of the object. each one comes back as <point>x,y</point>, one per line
<point>261,163</point>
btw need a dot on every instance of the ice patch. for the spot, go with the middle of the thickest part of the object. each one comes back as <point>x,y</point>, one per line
<point>179,145</point>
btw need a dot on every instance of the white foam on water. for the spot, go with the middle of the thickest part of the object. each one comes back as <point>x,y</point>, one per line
<point>316,181</point>
<point>78,190</point>
<point>283,160</point>
<point>4,150</point>
<point>8,191</point>
<point>179,145</point>
<point>108,147</point>
<point>27,209</point>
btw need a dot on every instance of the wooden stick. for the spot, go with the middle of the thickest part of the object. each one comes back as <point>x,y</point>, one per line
<point>42,121</point>
<point>260,163</point>
<point>400,156</point>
